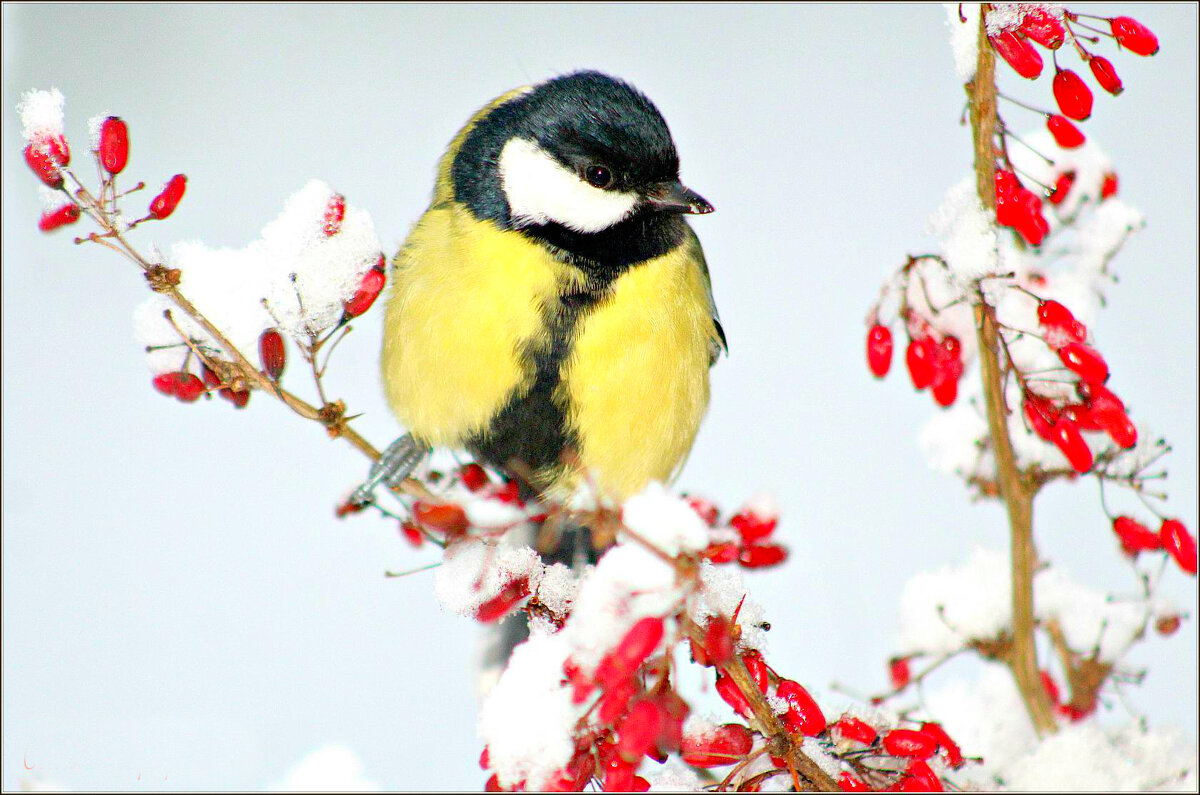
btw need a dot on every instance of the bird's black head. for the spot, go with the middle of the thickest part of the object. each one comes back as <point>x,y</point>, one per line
<point>584,162</point>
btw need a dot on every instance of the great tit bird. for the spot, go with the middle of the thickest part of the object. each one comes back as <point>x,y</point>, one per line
<point>552,311</point>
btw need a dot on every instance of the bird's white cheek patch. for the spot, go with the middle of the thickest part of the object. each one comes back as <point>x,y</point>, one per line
<point>540,190</point>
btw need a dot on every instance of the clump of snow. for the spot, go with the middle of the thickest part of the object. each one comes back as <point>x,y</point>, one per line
<point>964,37</point>
<point>674,776</point>
<point>333,768</point>
<point>721,590</point>
<point>941,611</point>
<point>665,521</point>
<point>762,505</point>
<point>95,124</point>
<point>557,588</point>
<point>967,234</point>
<point>304,275</point>
<point>51,199</point>
<point>952,440</point>
<point>473,571</point>
<point>628,584</point>
<point>528,718</point>
<point>41,113</point>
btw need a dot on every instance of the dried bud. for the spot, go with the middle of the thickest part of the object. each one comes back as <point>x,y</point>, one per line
<point>165,203</point>
<point>114,145</point>
<point>272,353</point>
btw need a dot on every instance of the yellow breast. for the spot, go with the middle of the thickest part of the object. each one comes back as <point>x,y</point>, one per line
<point>637,377</point>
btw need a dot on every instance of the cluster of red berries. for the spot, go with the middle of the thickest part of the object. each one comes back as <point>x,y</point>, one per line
<point>448,522</point>
<point>1049,30</point>
<point>188,388</point>
<point>934,361</point>
<point>1017,206</point>
<point>1172,537</point>
<point>49,155</point>
<point>752,549</point>
<point>1099,409</point>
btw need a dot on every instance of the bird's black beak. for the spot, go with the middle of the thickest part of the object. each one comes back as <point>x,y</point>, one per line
<point>672,197</point>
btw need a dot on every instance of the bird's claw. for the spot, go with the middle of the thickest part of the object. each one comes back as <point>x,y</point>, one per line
<point>394,464</point>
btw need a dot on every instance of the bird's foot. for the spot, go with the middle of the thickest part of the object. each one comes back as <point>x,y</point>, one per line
<point>394,464</point>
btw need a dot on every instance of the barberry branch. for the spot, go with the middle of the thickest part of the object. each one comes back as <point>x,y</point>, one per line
<point>1015,490</point>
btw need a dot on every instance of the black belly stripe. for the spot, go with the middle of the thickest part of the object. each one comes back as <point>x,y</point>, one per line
<point>529,435</point>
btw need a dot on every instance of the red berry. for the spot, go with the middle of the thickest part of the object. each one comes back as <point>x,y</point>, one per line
<point>616,700</point>
<point>1008,188</point>
<point>638,732</point>
<point>493,784</point>
<point>113,150</point>
<point>1044,28</point>
<point>803,715</point>
<point>53,219</point>
<point>721,552</point>
<point>1029,222</point>
<point>1081,416</point>
<point>1072,94</point>
<point>757,556</point>
<point>1135,537</point>
<point>705,510</point>
<point>907,742</point>
<point>857,730</point>
<point>165,383</point>
<point>757,667</point>
<point>725,745</point>
<point>752,526</point>
<point>1105,74</point>
<point>1167,625</point>
<point>923,777</point>
<point>165,203</point>
<point>1103,402</point>
<point>1062,187</point>
<point>954,755</point>
<point>1066,135</point>
<point>448,519</point>
<point>1060,323</point>
<point>239,398</point>
<point>1134,36</point>
<point>919,359</point>
<point>1109,186</point>
<point>1066,438</point>
<point>1051,688</point>
<point>412,533</point>
<point>335,212</point>
<point>718,641</point>
<point>484,762</point>
<point>272,353</point>
<point>1020,54</point>
<point>728,690</point>
<point>188,387</point>
<point>1123,432</point>
<point>642,639</point>
<point>847,782</point>
<point>947,369</point>
<point>1179,543</point>
<point>368,290</point>
<point>899,672</point>
<point>473,477</point>
<point>502,603</point>
<point>618,775</point>
<point>1041,414</point>
<point>1086,362</point>
<point>47,156</point>
<point>879,350</point>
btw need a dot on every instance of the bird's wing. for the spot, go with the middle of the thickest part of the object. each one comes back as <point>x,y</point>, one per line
<point>717,341</point>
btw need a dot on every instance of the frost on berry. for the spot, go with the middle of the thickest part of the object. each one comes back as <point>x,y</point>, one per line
<point>1042,26</point>
<point>803,715</point>
<point>719,746</point>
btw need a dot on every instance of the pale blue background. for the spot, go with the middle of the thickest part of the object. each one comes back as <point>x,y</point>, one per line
<point>179,603</point>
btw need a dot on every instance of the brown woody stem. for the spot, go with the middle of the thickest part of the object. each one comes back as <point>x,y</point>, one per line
<point>1016,490</point>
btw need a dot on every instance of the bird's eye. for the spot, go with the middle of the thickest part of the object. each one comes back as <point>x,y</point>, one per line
<point>598,176</point>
